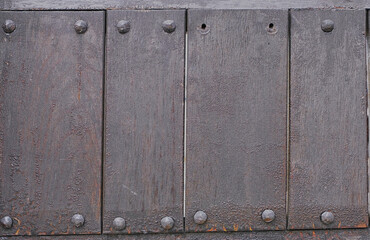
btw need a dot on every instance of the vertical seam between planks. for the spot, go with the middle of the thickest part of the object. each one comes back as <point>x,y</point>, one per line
<point>103,120</point>
<point>288,121</point>
<point>185,105</point>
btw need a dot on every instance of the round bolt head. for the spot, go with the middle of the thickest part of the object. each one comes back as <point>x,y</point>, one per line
<point>200,217</point>
<point>81,26</point>
<point>268,216</point>
<point>119,224</point>
<point>167,223</point>
<point>327,25</point>
<point>7,222</point>
<point>169,26</point>
<point>78,220</point>
<point>9,26</point>
<point>327,218</point>
<point>123,26</point>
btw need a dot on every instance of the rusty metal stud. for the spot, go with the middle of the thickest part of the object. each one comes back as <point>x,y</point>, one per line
<point>7,222</point>
<point>169,26</point>
<point>9,26</point>
<point>78,220</point>
<point>123,26</point>
<point>327,218</point>
<point>268,216</point>
<point>81,26</point>
<point>200,217</point>
<point>327,25</point>
<point>167,223</point>
<point>119,224</point>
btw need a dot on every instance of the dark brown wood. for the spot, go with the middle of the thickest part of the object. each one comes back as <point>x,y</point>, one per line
<point>358,234</point>
<point>171,4</point>
<point>143,170</point>
<point>51,122</point>
<point>236,118</point>
<point>328,135</point>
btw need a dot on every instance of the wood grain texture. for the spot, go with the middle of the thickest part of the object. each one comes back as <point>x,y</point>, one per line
<point>328,139</point>
<point>236,118</point>
<point>349,234</point>
<point>51,122</point>
<point>143,171</point>
<point>180,4</point>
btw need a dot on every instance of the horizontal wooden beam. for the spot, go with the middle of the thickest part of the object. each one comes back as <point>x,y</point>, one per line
<point>358,234</point>
<point>179,4</point>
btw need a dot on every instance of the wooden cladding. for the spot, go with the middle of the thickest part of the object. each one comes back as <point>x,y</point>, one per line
<point>168,121</point>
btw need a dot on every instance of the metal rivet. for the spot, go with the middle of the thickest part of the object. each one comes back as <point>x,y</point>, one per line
<point>169,26</point>
<point>167,223</point>
<point>9,26</point>
<point>119,224</point>
<point>327,25</point>
<point>78,220</point>
<point>123,26</point>
<point>81,26</point>
<point>268,215</point>
<point>327,217</point>
<point>6,222</point>
<point>200,217</point>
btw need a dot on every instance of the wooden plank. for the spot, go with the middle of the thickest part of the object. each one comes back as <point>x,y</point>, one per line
<point>180,4</point>
<point>358,234</point>
<point>51,122</point>
<point>236,118</point>
<point>328,140</point>
<point>143,170</point>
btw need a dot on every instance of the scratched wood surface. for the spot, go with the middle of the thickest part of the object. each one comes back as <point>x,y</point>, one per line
<point>236,118</point>
<point>328,139</point>
<point>143,169</point>
<point>349,234</point>
<point>51,122</point>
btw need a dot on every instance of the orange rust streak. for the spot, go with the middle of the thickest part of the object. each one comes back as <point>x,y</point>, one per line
<point>250,228</point>
<point>213,229</point>
<point>129,230</point>
<point>17,232</point>
<point>361,225</point>
<point>340,223</point>
<point>236,227</point>
<point>223,227</point>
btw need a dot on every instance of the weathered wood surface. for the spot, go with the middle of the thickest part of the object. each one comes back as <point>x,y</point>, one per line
<point>171,4</point>
<point>51,122</point>
<point>358,234</point>
<point>328,123</point>
<point>143,169</point>
<point>236,118</point>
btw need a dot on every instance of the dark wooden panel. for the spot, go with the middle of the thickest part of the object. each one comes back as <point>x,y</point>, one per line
<point>51,122</point>
<point>180,4</point>
<point>143,171</point>
<point>328,140</point>
<point>358,234</point>
<point>236,118</point>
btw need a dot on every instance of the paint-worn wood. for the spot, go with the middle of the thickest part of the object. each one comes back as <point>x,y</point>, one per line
<point>143,169</point>
<point>51,122</point>
<point>328,134</point>
<point>236,118</point>
<point>171,4</point>
<point>350,234</point>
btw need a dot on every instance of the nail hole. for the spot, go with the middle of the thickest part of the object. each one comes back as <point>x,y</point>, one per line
<point>271,25</point>
<point>204,26</point>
